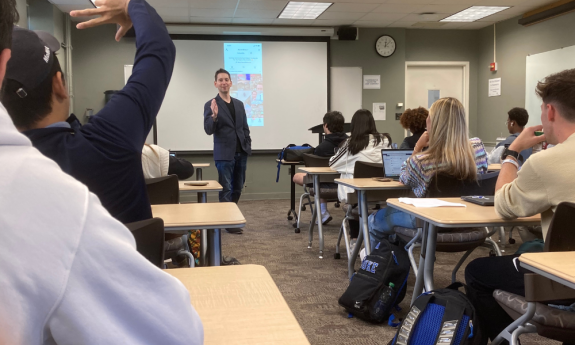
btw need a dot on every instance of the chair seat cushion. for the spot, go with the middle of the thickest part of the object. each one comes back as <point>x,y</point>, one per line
<point>355,210</point>
<point>544,314</point>
<point>328,191</point>
<point>459,235</point>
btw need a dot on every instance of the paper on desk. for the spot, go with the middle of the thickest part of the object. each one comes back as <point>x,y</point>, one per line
<point>425,202</point>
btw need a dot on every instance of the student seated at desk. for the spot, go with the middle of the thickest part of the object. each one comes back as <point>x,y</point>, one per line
<point>516,121</point>
<point>333,128</point>
<point>158,162</point>
<point>364,145</point>
<point>415,121</point>
<point>104,154</point>
<point>546,180</point>
<point>449,150</point>
<point>70,273</point>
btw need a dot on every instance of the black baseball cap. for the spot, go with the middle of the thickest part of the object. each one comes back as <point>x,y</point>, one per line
<point>32,58</point>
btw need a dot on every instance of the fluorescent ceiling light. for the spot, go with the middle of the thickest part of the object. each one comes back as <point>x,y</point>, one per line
<point>304,10</point>
<point>474,13</point>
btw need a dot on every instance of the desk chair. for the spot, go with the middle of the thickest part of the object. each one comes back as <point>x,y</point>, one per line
<point>163,190</point>
<point>328,193</point>
<point>454,240</point>
<point>531,313</point>
<point>360,170</point>
<point>149,236</point>
<point>166,190</point>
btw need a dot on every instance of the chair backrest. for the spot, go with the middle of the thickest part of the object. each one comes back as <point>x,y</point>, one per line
<point>445,186</point>
<point>163,190</point>
<point>366,170</point>
<point>561,233</point>
<point>315,161</point>
<point>149,235</point>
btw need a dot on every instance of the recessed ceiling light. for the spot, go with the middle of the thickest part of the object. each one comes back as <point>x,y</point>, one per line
<point>304,10</point>
<point>474,13</point>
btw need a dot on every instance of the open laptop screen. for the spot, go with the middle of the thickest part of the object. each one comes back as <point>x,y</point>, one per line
<point>392,161</point>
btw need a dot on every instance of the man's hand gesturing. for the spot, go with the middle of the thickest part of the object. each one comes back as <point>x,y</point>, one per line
<point>214,110</point>
<point>110,12</point>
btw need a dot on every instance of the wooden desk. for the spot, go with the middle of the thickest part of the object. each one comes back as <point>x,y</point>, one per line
<point>292,186</point>
<point>315,173</point>
<point>450,217</point>
<point>363,186</point>
<point>557,266</point>
<point>494,167</point>
<point>212,217</point>
<point>199,167</point>
<point>212,186</point>
<point>240,305</point>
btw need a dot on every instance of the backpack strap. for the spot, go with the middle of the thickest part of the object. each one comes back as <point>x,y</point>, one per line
<point>450,323</point>
<point>405,331</point>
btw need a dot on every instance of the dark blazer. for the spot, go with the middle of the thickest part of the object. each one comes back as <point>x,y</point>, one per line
<point>225,134</point>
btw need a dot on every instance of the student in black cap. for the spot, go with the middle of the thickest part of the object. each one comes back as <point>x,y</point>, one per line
<point>105,153</point>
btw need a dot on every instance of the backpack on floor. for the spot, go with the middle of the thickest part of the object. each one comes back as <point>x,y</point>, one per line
<point>442,316</point>
<point>380,283</point>
<point>293,153</point>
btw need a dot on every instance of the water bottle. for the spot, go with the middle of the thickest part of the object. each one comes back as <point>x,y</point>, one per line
<point>382,304</point>
<point>387,294</point>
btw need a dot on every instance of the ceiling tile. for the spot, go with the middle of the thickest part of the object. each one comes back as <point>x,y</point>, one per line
<point>332,22</point>
<point>244,13</point>
<point>176,19</point>
<point>262,5</point>
<point>211,13</point>
<point>475,25</point>
<point>426,18</point>
<point>410,2</point>
<point>450,9</point>
<point>341,15</point>
<point>455,2</point>
<point>293,21</point>
<point>401,24</point>
<point>351,7</point>
<point>500,2</point>
<point>387,17</point>
<point>202,20</point>
<point>398,8</point>
<point>258,21</point>
<point>371,24</point>
<point>223,4</point>
<point>169,3</point>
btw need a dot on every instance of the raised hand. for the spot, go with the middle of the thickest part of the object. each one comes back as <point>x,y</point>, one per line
<point>110,12</point>
<point>214,110</point>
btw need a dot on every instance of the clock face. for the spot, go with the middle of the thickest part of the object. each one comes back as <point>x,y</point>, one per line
<point>385,46</point>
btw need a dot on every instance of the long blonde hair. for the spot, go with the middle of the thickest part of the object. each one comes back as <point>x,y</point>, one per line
<point>449,146</point>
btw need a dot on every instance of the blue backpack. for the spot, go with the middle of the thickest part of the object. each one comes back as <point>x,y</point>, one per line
<point>442,316</point>
<point>293,153</point>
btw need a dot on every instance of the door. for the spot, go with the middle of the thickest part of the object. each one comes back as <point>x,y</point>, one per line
<point>425,82</point>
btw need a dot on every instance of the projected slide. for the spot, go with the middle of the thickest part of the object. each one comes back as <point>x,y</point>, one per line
<point>244,62</point>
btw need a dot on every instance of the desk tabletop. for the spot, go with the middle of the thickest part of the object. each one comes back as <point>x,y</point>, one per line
<point>453,217</point>
<point>283,161</point>
<point>212,186</point>
<point>240,305</point>
<point>201,165</point>
<point>199,216</point>
<point>369,184</point>
<point>319,170</point>
<point>494,167</point>
<point>556,264</point>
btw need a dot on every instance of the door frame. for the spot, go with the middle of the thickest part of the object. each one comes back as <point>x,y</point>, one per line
<point>463,64</point>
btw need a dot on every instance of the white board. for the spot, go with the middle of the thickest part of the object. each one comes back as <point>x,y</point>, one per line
<point>346,90</point>
<point>538,66</point>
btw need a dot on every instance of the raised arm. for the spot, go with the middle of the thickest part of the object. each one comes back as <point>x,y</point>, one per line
<point>130,114</point>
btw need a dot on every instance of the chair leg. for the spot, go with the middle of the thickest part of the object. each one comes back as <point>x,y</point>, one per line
<point>491,244</point>
<point>461,261</point>
<point>300,207</point>
<point>412,258</point>
<point>339,236</point>
<point>506,333</point>
<point>190,257</point>
<point>528,328</point>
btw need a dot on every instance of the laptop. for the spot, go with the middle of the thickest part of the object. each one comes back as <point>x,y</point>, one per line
<point>483,200</point>
<point>392,162</point>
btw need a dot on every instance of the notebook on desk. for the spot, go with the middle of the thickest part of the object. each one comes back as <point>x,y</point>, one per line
<point>483,200</point>
<point>392,162</point>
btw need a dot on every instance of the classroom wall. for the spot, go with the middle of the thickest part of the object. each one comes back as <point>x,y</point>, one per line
<point>514,43</point>
<point>21,6</point>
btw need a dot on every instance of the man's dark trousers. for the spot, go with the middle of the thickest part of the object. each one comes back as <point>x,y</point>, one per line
<point>232,175</point>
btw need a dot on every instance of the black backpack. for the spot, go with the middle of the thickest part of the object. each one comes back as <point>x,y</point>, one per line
<point>293,153</point>
<point>380,284</point>
<point>443,316</point>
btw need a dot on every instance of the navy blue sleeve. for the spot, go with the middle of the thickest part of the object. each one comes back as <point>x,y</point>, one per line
<point>128,117</point>
<point>209,124</point>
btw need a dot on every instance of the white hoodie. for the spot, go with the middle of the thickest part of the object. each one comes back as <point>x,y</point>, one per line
<point>69,272</point>
<point>344,162</point>
<point>155,161</point>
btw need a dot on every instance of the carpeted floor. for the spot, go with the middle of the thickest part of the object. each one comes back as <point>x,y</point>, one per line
<point>312,286</point>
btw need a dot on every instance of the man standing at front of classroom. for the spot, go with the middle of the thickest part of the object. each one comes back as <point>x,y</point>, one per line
<point>225,118</point>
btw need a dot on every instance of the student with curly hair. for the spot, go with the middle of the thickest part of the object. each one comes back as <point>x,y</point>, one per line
<point>414,120</point>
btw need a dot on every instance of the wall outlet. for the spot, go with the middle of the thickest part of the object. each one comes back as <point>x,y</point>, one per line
<point>397,116</point>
